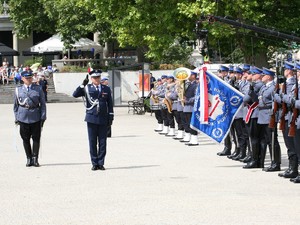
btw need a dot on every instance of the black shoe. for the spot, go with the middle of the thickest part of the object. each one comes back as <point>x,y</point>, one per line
<point>29,162</point>
<point>251,165</point>
<point>291,174</point>
<point>288,170</point>
<point>274,167</point>
<point>246,159</point>
<point>35,162</point>
<point>95,167</point>
<point>225,152</point>
<point>295,180</point>
<point>101,168</point>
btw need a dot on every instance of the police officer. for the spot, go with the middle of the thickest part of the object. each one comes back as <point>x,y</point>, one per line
<point>251,99</point>
<point>238,123</point>
<point>99,115</point>
<point>189,99</point>
<point>283,97</point>
<point>223,74</point>
<point>264,115</point>
<point>155,104</point>
<point>296,103</point>
<point>30,114</point>
<point>104,81</point>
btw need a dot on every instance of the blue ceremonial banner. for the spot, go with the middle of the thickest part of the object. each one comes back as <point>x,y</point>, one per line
<point>224,102</point>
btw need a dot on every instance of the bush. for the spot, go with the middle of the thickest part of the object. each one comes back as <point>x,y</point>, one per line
<point>34,60</point>
<point>75,69</point>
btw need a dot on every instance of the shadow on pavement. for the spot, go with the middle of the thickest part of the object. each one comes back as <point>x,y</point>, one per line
<point>131,167</point>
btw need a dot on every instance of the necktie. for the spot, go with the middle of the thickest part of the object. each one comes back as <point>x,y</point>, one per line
<point>28,88</point>
<point>97,90</point>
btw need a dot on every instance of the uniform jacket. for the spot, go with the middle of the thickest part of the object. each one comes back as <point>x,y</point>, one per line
<point>189,95</point>
<point>265,103</point>
<point>29,106</point>
<point>173,96</point>
<point>281,97</point>
<point>239,85</point>
<point>97,115</point>
<point>252,97</point>
<point>297,104</point>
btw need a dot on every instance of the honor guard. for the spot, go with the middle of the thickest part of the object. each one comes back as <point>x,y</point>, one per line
<point>244,88</point>
<point>296,107</point>
<point>284,99</point>
<point>265,110</point>
<point>191,136</point>
<point>170,97</point>
<point>164,109</point>
<point>238,123</point>
<point>251,99</point>
<point>223,74</point>
<point>30,114</point>
<point>99,115</point>
<point>155,104</point>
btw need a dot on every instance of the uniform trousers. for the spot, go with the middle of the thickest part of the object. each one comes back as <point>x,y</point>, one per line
<point>178,119</point>
<point>289,141</point>
<point>97,136</point>
<point>28,131</point>
<point>187,128</point>
<point>171,120</point>
<point>297,144</point>
<point>240,131</point>
<point>164,114</point>
<point>158,116</point>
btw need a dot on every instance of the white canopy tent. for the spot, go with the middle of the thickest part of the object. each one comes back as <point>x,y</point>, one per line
<point>55,44</point>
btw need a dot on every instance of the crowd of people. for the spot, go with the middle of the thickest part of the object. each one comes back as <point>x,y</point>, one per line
<point>268,103</point>
<point>12,75</point>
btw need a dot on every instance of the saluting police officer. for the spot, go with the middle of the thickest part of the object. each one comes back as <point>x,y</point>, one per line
<point>30,114</point>
<point>99,115</point>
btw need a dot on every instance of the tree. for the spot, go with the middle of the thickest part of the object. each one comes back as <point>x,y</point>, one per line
<point>155,25</point>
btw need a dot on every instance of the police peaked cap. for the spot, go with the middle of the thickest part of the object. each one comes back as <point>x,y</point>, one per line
<point>288,65</point>
<point>170,77</point>
<point>297,65</point>
<point>246,67</point>
<point>223,68</point>
<point>26,74</point>
<point>95,73</point>
<point>164,76</point>
<point>266,71</point>
<point>255,70</point>
<point>231,68</point>
<point>104,78</point>
<point>238,70</point>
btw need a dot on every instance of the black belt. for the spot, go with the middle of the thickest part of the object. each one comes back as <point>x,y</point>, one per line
<point>264,107</point>
<point>29,107</point>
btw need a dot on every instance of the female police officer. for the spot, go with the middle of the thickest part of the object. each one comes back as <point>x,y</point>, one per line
<point>99,115</point>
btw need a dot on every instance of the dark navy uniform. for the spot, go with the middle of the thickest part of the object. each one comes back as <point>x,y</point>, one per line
<point>30,114</point>
<point>99,115</point>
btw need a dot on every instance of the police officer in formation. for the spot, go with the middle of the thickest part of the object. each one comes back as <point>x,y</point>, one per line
<point>178,109</point>
<point>99,115</point>
<point>30,114</point>
<point>155,104</point>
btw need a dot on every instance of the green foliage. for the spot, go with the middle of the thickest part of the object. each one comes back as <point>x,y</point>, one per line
<point>155,25</point>
<point>65,69</point>
<point>34,60</point>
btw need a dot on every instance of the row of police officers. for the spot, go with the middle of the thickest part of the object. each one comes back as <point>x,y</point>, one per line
<point>269,102</point>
